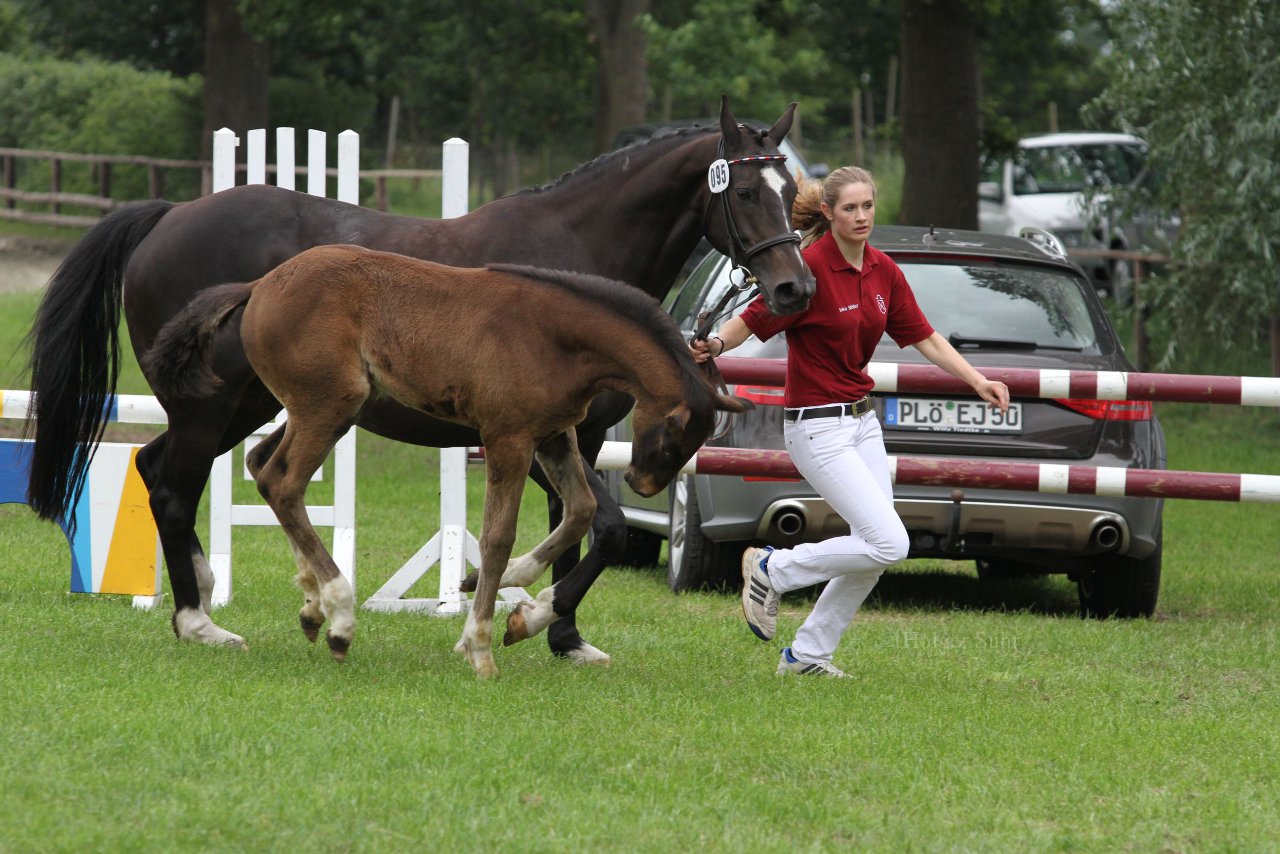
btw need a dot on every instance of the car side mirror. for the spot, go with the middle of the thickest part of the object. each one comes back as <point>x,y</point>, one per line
<point>990,191</point>
<point>819,170</point>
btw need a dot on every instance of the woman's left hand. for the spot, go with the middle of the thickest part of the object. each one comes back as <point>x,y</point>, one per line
<point>994,392</point>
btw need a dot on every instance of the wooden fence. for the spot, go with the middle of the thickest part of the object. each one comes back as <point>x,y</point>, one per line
<point>1140,264</point>
<point>101,167</point>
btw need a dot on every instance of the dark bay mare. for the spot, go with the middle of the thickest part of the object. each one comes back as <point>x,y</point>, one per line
<point>517,353</point>
<point>633,215</point>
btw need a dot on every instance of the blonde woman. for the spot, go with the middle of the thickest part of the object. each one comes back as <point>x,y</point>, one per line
<point>829,426</point>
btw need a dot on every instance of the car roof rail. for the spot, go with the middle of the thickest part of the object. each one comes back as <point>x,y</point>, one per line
<point>1046,240</point>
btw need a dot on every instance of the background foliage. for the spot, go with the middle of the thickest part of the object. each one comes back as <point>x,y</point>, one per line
<point>1202,84</point>
<point>82,106</point>
<point>517,76</point>
<point>1198,82</point>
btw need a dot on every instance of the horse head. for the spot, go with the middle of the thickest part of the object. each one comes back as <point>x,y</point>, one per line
<point>748,214</point>
<point>663,441</point>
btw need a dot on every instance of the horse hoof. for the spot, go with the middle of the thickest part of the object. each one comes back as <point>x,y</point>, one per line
<point>517,627</point>
<point>338,646</point>
<point>588,654</point>
<point>485,668</point>
<point>469,583</point>
<point>194,625</point>
<point>310,627</point>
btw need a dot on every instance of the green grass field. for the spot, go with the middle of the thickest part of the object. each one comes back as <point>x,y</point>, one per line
<point>981,717</point>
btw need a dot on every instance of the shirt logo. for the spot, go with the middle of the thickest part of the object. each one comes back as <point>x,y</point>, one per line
<point>880,303</point>
<point>853,307</point>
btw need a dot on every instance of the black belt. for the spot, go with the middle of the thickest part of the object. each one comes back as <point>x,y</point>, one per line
<point>862,407</point>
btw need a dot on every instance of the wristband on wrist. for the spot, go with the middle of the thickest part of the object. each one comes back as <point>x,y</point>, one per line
<point>721,340</point>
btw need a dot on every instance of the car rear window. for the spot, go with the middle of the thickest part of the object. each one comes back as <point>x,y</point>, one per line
<point>1010,303</point>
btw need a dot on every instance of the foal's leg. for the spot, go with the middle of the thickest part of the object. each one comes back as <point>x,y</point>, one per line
<point>301,448</point>
<point>562,465</point>
<point>558,458</point>
<point>311,617</point>
<point>507,461</point>
<point>257,458</point>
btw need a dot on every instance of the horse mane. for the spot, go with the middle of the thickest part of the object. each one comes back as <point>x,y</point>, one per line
<point>661,137</point>
<point>629,303</point>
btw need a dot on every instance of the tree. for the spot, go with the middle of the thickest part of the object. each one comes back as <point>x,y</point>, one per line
<point>730,47</point>
<point>1201,84</point>
<point>237,70</point>
<point>622,79</point>
<point>157,36</point>
<point>939,114</point>
<point>181,38</point>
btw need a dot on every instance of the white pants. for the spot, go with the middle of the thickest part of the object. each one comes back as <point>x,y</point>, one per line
<point>844,460</point>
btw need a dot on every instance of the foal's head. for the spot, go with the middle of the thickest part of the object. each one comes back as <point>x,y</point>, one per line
<point>673,415</point>
<point>664,439</point>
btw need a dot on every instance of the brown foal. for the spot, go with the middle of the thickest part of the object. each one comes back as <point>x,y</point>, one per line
<point>516,352</point>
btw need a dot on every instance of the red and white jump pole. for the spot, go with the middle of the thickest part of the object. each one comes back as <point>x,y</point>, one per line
<point>1029,382</point>
<point>987,474</point>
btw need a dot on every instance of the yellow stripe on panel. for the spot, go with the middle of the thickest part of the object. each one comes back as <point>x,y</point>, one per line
<point>131,560</point>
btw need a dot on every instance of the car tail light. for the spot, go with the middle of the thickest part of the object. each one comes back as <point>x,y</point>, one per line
<point>764,395</point>
<point>1110,410</point>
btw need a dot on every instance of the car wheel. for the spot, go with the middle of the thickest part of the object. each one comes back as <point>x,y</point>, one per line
<point>693,561</point>
<point>1122,586</point>
<point>642,548</point>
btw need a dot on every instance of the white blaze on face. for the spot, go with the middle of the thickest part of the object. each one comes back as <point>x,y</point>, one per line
<point>775,179</point>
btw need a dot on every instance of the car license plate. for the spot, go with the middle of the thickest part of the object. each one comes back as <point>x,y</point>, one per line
<point>950,416</point>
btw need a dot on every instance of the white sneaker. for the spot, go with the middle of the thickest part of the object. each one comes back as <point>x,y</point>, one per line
<point>788,664</point>
<point>759,599</point>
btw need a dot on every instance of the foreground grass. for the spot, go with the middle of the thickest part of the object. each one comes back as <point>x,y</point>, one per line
<point>980,718</point>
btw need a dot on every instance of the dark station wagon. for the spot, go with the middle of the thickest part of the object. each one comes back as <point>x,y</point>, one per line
<point>1003,302</point>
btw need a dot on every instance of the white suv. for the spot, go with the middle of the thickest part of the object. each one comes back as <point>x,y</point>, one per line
<point>1044,185</point>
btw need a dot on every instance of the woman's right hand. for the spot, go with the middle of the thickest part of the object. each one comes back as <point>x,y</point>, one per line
<point>703,348</point>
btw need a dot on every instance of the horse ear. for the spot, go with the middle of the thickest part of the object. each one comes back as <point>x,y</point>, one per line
<point>729,403</point>
<point>783,124</point>
<point>728,124</point>
<point>677,418</point>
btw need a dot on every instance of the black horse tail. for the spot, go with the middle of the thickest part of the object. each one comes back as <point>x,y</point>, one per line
<point>75,356</point>
<point>178,363</point>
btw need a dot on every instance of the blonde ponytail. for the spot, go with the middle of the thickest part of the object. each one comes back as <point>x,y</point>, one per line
<point>806,211</point>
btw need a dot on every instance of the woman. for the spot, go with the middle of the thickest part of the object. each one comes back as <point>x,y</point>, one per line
<point>829,426</point>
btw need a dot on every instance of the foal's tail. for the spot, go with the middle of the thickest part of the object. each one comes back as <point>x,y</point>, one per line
<point>75,356</point>
<point>178,364</point>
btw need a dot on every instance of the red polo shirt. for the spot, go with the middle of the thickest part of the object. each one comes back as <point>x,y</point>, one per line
<point>830,342</point>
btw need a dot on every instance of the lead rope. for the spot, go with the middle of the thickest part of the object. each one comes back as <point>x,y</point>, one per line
<point>707,320</point>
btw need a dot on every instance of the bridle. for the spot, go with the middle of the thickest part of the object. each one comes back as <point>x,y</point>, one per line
<point>739,253</point>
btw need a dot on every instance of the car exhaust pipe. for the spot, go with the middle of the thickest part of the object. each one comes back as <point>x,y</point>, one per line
<point>790,523</point>
<point>1106,536</point>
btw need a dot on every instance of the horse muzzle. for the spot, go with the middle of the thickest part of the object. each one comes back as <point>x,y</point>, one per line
<point>791,297</point>
<point>643,485</point>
